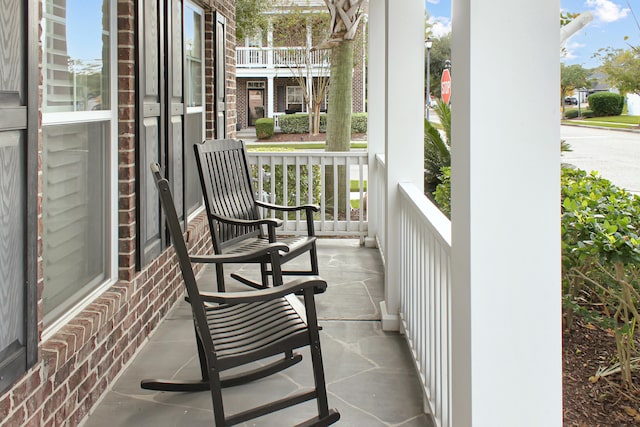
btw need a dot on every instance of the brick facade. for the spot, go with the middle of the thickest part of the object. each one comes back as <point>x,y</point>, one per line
<point>78,363</point>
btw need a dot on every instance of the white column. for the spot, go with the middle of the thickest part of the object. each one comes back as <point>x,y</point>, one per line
<point>404,130</point>
<point>376,130</point>
<point>269,44</point>
<point>270,96</point>
<point>506,322</point>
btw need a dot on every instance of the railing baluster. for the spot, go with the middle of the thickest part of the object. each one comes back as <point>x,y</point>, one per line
<point>319,161</point>
<point>426,296</point>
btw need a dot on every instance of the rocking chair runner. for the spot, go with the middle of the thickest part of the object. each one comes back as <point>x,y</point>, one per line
<point>234,218</point>
<point>237,328</point>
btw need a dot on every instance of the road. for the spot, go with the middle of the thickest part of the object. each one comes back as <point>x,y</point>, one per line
<point>614,154</point>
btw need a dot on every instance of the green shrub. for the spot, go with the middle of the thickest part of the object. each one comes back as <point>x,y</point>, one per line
<point>359,123</point>
<point>606,104</point>
<point>571,114</point>
<point>264,128</point>
<point>437,148</point>
<point>442,195</point>
<point>278,174</point>
<point>600,259</point>
<point>295,123</point>
<point>299,123</point>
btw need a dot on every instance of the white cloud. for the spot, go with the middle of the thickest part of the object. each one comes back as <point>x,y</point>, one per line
<point>569,49</point>
<point>433,1</point>
<point>607,11</point>
<point>440,26</point>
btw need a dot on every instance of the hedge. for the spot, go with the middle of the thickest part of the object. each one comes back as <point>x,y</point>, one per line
<point>264,128</point>
<point>606,104</point>
<point>299,123</point>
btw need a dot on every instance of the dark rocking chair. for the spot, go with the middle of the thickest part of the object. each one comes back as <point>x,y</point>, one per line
<point>234,218</point>
<point>237,328</point>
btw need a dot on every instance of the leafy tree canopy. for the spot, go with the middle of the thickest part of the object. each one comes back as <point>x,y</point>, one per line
<point>250,17</point>
<point>573,77</point>
<point>622,68</point>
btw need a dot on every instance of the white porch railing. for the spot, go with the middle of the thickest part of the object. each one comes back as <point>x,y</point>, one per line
<point>278,57</point>
<point>298,186</point>
<point>425,296</point>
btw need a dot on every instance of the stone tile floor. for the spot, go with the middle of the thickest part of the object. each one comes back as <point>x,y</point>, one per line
<point>369,373</point>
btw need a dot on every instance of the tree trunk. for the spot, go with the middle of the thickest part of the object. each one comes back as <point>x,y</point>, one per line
<point>340,97</point>
<point>339,123</point>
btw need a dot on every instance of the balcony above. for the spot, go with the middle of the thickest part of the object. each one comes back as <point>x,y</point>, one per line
<point>279,59</point>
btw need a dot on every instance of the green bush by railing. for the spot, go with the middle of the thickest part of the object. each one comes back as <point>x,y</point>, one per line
<point>299,123</point>
<point>601,260</point>
<point>264,128</point>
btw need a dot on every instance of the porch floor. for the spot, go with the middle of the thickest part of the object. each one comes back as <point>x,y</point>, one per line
<point>369,373</point>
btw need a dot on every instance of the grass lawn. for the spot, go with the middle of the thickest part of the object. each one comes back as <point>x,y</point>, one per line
<point>615,122</point>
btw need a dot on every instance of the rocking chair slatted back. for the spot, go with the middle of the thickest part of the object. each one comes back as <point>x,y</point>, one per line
<point>234,216</point>
<point>237,328</point>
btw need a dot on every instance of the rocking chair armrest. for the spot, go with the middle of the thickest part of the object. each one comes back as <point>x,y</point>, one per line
<point>240,256</point>
<point>271,222</point>
<point>245,297</point>
<point>312,208</point>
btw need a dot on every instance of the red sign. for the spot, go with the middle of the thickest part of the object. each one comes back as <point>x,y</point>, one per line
<point>445,86</point>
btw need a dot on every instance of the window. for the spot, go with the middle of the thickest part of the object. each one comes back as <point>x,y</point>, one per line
<point>195,117</point>
<point>194,49</point>
<point>79,148</point>
<point>295,99</point>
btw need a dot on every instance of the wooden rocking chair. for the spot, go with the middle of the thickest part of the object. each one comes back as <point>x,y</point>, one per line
<point>237,328</point>
<point>233,212</point>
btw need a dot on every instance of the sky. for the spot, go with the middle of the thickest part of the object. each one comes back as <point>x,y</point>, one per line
<point>613,20</point>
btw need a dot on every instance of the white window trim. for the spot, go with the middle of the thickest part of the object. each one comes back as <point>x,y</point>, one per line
<point>86,116</point>
<point>302,103</point>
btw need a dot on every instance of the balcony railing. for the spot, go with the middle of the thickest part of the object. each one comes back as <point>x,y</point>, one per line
<point>280,57</point>
<point>298,186</point>
<point>425,296</point>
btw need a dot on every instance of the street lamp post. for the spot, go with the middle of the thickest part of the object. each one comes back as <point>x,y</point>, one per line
<point>428,43</point>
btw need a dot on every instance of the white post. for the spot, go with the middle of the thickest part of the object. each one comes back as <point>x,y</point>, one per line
<point>376,130</point>
<point>270,96</point>
<point>404,128</point>
<point>506,323</point>
<point>269,50</point>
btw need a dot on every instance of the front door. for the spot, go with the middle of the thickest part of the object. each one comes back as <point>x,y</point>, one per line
<point>256,105</point>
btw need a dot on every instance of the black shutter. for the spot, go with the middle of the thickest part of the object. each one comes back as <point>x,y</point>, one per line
<point>18,188</point>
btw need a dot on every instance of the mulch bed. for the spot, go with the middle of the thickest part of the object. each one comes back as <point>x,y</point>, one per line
<point>602,403</point>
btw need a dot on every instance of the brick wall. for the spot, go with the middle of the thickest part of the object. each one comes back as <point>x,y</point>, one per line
<point>81,360</point>
<point>241,102</point>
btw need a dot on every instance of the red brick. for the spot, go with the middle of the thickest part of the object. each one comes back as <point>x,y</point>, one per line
<point>5,406</point>
<point>26,387</point>
<point>55,401</point>
<point>16,419</point>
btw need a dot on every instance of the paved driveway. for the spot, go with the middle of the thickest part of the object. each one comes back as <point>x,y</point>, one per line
<point>615,154</point>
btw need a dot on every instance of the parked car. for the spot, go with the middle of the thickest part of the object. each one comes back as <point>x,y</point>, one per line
<point>570,100</point>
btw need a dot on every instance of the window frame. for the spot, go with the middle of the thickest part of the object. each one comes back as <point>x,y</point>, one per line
<point>110,116</point>
<point>301,95</point>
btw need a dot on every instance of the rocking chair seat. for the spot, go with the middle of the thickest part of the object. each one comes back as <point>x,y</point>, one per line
<point>237,328</point>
